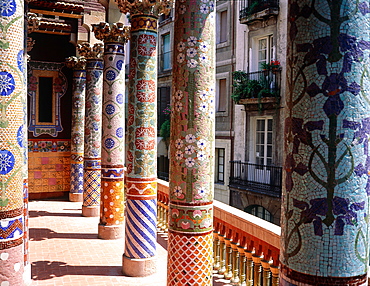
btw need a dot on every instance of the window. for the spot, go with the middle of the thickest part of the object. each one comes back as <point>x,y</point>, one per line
<point>260,212</point>
<point>163,105</point>
<point>220,165</point>
<point>222,27</point>
<point>221,95</point>
<point>45,98</point>
<point>45,88</point>
<point>263,141</point>
<point>264,52</point>
<point>166,52</point>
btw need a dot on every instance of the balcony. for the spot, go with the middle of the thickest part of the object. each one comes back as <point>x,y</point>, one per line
<point>257,90</point>
<point>261,179</point>
<point>245,248</point>
<point>257,10</point>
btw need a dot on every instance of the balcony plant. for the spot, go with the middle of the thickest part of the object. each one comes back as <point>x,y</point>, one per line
<point>245,88</point>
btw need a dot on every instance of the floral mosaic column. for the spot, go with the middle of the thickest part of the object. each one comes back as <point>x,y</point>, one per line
<point>190,246</point>
<point>325,219</point>
<point>13,161</point>
<point>92,139</point>
<point>111,225</point>
<point>139,258</point>
<point>78,125</point>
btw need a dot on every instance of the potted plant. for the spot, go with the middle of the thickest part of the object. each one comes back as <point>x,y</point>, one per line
<point>275,66</point>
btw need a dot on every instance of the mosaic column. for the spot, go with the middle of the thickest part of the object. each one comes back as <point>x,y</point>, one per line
<point>12,144</point>
<point>325,210</point>
<point>111,225</point>
<point>92,136</point>
<point>190,235</point>
<point>139,258</point>
<point>77,127</point>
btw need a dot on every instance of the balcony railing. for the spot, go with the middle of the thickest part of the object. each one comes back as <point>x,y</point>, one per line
<point>256,178</point>
<point>245,248</point>
<point>256,85</point>
<point>251,7</point>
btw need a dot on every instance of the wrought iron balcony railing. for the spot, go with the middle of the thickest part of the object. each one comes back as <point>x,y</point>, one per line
<point>256,178</point>
<point>250,7</point>
<point>260,84</point>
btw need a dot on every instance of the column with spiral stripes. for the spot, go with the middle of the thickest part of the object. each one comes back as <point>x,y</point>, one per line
<point>190,237</point>
<point>139,258</point>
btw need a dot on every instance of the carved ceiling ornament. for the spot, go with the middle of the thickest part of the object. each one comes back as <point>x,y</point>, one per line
<point>90,52</point>
<point>148,7</point>
<point>116,32</point>
<point>78,63</point>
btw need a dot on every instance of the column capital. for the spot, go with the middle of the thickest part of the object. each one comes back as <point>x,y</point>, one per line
<point>116,32</point>
<point>77,63</point>
<point>145,7</point>
<point>90,52</point>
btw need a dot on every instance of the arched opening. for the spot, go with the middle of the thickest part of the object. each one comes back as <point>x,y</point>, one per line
<point>259,211</point>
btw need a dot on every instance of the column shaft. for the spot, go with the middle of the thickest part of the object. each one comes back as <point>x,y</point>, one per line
<point>141,179</point>
<point>92,159</point>
<point>113,143</point>
<point>13,160</point>
<point>327,184</point>
<point>77,135</point>
<point>190,245</point>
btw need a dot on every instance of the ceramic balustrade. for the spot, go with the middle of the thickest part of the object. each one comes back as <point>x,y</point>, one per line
<point>246,248</point>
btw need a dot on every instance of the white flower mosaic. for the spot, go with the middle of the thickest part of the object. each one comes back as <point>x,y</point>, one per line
<point>190,138</point>
<point>191,52</point>
<point>179,94</point>
<point>179,143</point>
<point>180,58</point>
<point>192,63</point>
<point>179,155</point>
<point>204,9</point>
<point>189,149</point>
<point>192,41</point>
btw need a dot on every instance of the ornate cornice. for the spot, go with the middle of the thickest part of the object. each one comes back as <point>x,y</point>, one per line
<point>145,7</point>
<point>90,52</point>
<point>33,22</point>
<point>115,32</point>
<point>77,63</point>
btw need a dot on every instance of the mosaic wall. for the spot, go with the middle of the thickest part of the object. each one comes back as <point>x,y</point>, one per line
<point>192,145</point>
<point>49,165</point>
<point>12,144</point>
<point>327,183</point>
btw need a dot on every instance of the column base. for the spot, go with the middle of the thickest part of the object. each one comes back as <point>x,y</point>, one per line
<point>91,211</point>
<point>111,231</point>
<point>76,197</point>
<point>136,267</point>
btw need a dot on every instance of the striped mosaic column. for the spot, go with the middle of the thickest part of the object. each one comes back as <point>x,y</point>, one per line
<point>92,139</point>
<point>111,225</point>
<point>12,144</point>
<point>139,258</point>
<point>190,235</point>
<point>77,127</point>
<point>325,212</point>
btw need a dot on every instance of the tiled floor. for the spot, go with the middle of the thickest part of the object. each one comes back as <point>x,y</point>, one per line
<point>65,250</point>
